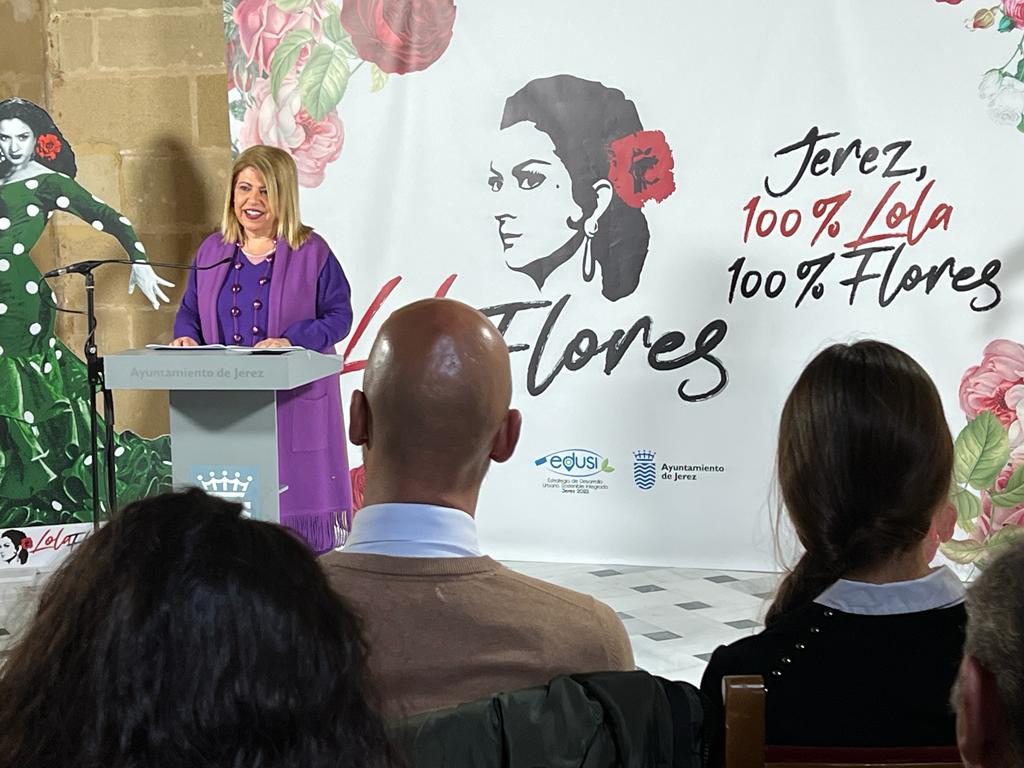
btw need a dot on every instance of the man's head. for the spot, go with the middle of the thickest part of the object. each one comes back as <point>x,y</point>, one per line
<point>434,410</point>
<point>989,696</point>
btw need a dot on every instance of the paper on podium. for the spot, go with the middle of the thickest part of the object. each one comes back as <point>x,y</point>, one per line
<point>225,348</point>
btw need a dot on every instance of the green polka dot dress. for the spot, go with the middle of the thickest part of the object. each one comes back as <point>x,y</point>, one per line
<point>44,406</point>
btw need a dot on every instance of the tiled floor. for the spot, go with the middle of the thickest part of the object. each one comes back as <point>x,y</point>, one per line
<point>675,617</point>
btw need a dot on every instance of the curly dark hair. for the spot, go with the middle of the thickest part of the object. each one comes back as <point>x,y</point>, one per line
<point>39,120</point>
<point>183,634</point>
<point>582,118</point>
<point>16,538</point>
<point>865,459</point>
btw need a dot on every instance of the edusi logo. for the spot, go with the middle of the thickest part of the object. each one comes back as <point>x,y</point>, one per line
<point>575,462</point>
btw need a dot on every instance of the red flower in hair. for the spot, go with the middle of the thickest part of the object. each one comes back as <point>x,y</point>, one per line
<point>48,146</point>
<point>26,543</point>
<point>640,168</point>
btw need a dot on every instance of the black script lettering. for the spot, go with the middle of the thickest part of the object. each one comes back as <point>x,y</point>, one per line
<point>960,280</point>
<point>816,160</point>
<point>869,157</point>
<point>898,148</point>
<point>507,312</point>
<point>707,340</point>
<point>988,272</point>
<point>862,276</point>
<point>585,346</point>
<point>808,142</point>
<point>538,350</point>
<point>621,340</point>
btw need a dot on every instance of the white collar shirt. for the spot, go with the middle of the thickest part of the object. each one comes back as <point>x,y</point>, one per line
<point>413,530</point>
<point>941,588</point>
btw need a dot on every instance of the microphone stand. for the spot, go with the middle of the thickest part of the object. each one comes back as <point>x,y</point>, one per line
<point>97,383</point>
<point>94,364</point>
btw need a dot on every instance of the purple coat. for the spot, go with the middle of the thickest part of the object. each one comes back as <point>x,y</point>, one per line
<point>312,458</point>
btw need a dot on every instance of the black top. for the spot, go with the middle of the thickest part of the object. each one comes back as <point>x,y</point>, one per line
<point>851,680</point>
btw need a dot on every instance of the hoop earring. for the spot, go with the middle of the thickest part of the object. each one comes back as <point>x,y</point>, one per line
<point>589,267</point>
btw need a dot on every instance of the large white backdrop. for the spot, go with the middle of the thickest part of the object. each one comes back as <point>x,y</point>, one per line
<point>427,182</point>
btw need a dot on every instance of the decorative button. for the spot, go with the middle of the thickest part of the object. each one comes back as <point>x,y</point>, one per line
<point>238,265</point>
<point>776,673</point>
<point>257,304</point>
<point>236,288</point>
<point>264,280</point>
<point>800,646</point>
<point>830,613</point>
<point>786,660</point>
<point>237,338</point>
<point>270,259</point>
<point>815,630</point>
<point>255,330</point>
<point>235,311</point>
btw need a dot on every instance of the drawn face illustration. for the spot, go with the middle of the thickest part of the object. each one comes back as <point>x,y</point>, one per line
<point>17,142</point>
<point>7,550</point>
<point>252,205</point>
<point>532,195</point>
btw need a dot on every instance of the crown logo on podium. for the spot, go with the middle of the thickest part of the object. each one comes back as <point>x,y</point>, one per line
<point>644,456</point>
<point>225,486</point>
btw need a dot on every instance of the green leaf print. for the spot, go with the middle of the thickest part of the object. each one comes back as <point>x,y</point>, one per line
<point>982,450</point>
<point>282,61</point>
<point>964,551</point>
<point>323,80</point>
<point>1013,494</point>
<point>378,78</point>
<point>968,508</point>
<point>291,6</point>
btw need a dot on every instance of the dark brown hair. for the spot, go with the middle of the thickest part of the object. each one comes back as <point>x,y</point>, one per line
<point>865,458</point>
<point>582,118</point>
<point>182,634</point>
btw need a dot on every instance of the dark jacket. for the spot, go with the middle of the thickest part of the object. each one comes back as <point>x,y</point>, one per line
<point>851,680</point>
<point>589,720</point>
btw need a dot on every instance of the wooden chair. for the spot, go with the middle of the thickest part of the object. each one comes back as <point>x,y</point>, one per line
<point>744,697</point>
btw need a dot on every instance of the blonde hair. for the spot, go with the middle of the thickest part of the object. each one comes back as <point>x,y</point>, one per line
<point>279,174</point>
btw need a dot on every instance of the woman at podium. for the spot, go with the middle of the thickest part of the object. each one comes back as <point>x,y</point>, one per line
<point>275,283</point>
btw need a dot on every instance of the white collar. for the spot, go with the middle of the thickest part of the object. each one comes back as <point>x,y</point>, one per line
<point>939,589</point>
<point>413,530</point>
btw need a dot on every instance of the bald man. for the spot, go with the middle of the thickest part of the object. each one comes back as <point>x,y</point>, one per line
<point>445,623</point>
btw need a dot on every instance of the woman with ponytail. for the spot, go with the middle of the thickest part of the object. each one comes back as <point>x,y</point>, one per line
<point>862,642</point>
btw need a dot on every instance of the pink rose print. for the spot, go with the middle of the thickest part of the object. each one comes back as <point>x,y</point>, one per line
<point>399,36</point>
<point>1015,10</point>
<point>262,25</point>
<point>993,518</point>
<point>285,124</point>
<point>997,385</point>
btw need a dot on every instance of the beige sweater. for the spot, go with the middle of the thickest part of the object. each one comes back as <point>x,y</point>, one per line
<point>443,631</point>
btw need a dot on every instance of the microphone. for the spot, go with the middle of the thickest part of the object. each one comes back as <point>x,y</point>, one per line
<point>82,267</point>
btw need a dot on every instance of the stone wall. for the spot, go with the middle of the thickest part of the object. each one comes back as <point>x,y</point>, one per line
<point>139,89</point>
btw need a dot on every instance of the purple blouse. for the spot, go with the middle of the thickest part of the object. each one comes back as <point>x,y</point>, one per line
<point>333,308</point>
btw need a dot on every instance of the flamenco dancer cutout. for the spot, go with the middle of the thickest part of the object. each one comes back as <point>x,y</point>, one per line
<point>44,405</point>
<point>571,173</point>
